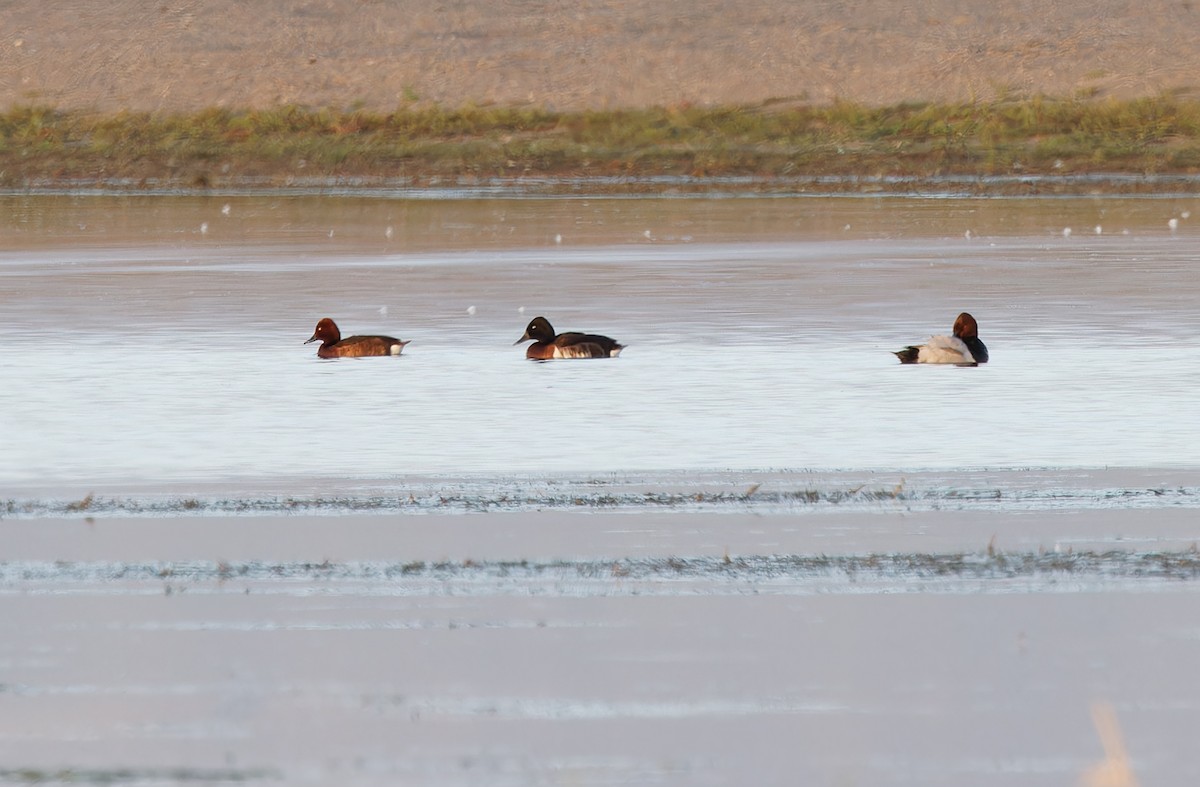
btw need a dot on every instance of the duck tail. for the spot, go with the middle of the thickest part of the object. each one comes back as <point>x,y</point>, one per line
<point>908,354</point>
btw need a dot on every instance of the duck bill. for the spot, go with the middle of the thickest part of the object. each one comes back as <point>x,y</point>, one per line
<point>526,337</point>
<point>313,339</point>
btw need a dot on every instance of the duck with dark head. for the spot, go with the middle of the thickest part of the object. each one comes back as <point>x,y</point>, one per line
<point>547,344</point>
<point>334,346</point>
<point>963,348</point>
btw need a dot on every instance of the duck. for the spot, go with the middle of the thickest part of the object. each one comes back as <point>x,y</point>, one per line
<point>963,348</point>
<point>334,346</point>
<point>547,344</point>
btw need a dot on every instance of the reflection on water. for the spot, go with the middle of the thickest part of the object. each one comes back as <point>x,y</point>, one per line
<point>160,338</point>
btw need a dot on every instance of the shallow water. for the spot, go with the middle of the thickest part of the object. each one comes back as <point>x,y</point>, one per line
<point>160,338</point>
<point>800,561</point>
<point>673,649</point>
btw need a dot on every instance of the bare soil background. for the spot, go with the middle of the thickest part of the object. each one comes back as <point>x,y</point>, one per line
<point>588,53</point>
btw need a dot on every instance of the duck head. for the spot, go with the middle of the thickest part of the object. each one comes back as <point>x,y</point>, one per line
<point>539,329</point>
<point>965,327</point>
<point>327,332</point>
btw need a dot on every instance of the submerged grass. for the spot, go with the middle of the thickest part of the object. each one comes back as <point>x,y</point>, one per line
<point>1181,566</point>
<point>897,497</point>
<point>132,776</point>
<point>220,147</point>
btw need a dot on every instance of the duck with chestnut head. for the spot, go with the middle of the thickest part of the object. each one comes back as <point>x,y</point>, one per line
<point>961,348</point>
<point>334,346</point>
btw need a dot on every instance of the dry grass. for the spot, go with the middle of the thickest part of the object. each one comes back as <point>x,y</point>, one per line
<point>40,145</point>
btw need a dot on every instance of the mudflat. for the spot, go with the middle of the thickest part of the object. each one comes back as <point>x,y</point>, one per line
<point>182,56</point>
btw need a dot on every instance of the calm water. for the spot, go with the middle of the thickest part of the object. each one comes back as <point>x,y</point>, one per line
<point>155,343</point>
<point>160,338</point>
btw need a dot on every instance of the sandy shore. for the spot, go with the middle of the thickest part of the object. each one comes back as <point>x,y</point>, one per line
<point>595,54</point>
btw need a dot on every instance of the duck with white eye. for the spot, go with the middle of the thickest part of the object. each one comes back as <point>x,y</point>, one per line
<point>962,348</point>
<point>547,344</point>
<point>334,346</point>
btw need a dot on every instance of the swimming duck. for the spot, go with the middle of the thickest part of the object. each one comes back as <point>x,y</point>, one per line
<point>547,345</point>
<point>963,348</point>
<point>334,346</point>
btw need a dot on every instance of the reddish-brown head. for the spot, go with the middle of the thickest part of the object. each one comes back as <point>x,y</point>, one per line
<point>965,327</point>
<point>327,332</point>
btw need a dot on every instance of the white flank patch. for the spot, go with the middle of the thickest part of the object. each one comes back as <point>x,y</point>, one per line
<point>944,349</point>
<point>578,351</point>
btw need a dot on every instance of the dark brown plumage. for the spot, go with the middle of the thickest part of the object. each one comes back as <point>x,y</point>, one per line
<point>547,344</point>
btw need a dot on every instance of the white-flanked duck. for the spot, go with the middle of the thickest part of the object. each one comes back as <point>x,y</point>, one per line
<point>963,348</point>
<point>547,344</point>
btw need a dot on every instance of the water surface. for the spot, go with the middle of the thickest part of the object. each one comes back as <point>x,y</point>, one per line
<point>160,338</point>
<point>800,562</point>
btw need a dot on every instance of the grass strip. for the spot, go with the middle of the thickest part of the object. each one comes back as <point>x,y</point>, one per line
<point>420,145</point>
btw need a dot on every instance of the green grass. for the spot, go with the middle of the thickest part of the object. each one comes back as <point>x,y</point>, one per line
<point>225,147</point>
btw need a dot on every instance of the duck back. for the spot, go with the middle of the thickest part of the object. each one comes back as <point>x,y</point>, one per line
<point>362,347</point>
<point>586,345</point>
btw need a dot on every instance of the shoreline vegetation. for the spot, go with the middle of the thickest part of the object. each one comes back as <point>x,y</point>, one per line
<point>1018,147</point>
